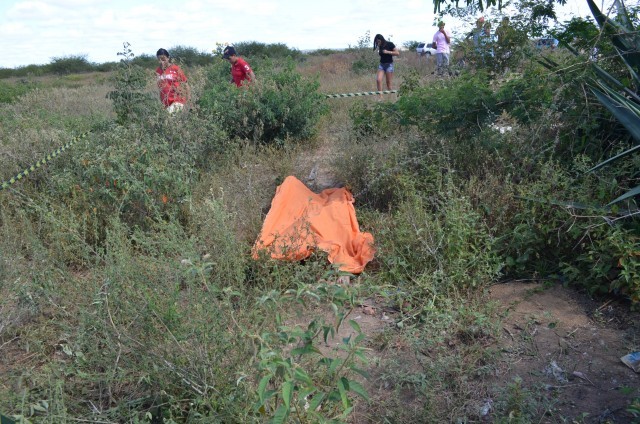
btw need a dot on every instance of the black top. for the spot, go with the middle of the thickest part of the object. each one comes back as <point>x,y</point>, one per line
<point>386,58</point>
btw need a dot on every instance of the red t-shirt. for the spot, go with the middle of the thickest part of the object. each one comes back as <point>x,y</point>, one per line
<point>168,82</point>
<point>240,71</point>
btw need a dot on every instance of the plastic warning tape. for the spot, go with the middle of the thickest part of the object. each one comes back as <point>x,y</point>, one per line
<point>42,162</point>
<point>364,93</point>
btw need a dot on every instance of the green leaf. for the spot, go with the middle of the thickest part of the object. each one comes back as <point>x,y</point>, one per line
<point>287,393</point>
<point>624,113</point>
<point>326,330</point>
<point>304,393</point>
<point>625,39</point>
<point>633,192</point>
<point>360,371</point>
<point>316,401</point>
<point>262,386</point>
<point>334,365</point>
<point>343,384</point>
<point>357,388</point>
<point>301,375</point>
<point>615,158</point>
<point>281,415</point>
<point>355,326</point>
<point>6,420</point>
<point>308,348</point>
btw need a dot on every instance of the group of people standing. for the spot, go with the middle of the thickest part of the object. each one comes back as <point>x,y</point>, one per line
<point>174,88</point>
<point>489,46</point>
<point>492,46</point>
<point>387,50</point>
<point>175,91</point>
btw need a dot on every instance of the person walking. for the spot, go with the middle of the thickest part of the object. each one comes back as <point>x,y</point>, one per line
<point>442,44</point>
<point>240,69</point>
<point>386,50</point>
<point>172,83</point>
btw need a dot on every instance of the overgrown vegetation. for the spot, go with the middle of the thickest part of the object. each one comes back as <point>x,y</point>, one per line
<point>129,293</point>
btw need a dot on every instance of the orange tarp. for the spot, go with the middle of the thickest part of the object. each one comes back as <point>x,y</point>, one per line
<point>300,221</point>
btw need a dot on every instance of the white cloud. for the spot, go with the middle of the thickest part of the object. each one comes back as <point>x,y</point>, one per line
<point>36,30</point>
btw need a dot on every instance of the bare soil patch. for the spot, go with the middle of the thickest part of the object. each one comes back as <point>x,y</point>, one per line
<point>568,347</point>
<point>561,347</point>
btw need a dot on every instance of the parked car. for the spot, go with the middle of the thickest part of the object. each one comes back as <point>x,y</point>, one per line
<point>547,43</point>
<point>425,49</point>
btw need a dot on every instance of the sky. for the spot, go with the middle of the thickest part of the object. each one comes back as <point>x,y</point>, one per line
<point>37,31</point>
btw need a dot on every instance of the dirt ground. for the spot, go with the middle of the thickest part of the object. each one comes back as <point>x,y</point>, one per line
<point>569,345</point>
<point>564,347</point>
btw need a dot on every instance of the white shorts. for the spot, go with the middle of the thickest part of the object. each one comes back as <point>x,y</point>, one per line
<point>175,107</point>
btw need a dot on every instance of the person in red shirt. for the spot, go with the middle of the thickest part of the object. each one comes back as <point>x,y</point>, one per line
<point>172,82</point>
<point>240,69</point>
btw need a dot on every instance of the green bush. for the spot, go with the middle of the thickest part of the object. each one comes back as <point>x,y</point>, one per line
<point>365,60</point>
<point>323,52</point>
<point>560,231</point>
<point>140,176</point>
<point>455,108</point>
<point>132,102</point>
<point>371,121</point>
<point>70,65</point>
<point>9,92</point>
<point>273,51</point>
<point>282,104</point>
<point>440,241</point>
<point>189,56</point>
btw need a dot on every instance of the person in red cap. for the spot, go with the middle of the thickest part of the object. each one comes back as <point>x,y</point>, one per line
<point>240,69</point>
<point>172,82</point>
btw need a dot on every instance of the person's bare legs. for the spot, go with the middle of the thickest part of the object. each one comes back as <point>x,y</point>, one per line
<point>379,76</point>
<point>389,76</point>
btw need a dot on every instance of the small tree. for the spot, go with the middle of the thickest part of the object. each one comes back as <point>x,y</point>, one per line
<point>130,101</point>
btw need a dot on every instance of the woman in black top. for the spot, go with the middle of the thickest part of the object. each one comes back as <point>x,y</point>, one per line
<point>386,50</point>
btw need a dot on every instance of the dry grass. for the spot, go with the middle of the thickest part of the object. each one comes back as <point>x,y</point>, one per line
<point>436,370</point>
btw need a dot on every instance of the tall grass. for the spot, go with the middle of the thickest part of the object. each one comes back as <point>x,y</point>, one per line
<point>127,289</point>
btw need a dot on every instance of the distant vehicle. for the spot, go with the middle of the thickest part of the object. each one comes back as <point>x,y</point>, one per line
<point>425,49</point>
<point>547,43</point>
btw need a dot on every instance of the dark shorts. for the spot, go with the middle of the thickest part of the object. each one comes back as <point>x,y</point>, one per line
<point>387,67</point>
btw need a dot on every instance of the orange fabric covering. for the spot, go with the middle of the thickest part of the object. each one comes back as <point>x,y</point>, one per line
<point>300,221</point>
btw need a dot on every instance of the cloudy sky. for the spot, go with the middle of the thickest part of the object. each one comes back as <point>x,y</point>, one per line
<point>35,31</point>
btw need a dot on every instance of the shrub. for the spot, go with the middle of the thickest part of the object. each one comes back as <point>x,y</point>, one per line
<point>438,239</point>
<point>324,52</point>
<point>551,236</point>
<point>273,51</point>
<point>411,45</point>
<point>131,100</point>
<point>189,56</point>
<point>70,65</point>
<point>365,60</point>
<point>281,105</point>
<point>455,108</point>
<point>10,92</point>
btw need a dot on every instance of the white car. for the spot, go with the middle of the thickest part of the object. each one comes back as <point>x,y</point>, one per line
<point>425,49</point>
